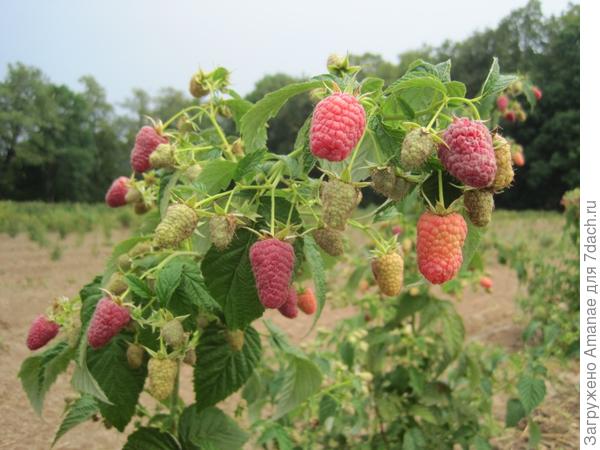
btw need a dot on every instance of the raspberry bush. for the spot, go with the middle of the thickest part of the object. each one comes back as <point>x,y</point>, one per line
<point>231,229</point>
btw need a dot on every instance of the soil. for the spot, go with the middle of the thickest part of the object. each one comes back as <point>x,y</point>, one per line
<point>30,279</point>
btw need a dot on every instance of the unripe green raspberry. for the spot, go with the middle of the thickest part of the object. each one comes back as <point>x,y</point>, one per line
<point>387,183</point>
<point>116,284</point>
<point>222,229</point>
<point>418,146</point>
<point>173,334</point>
<point>124,262</point>
<point>329,240</point>
<point>163,157</point>
<point>135,355</point>
<point>339,200</point>
<point>237,148</point>
<point>235,339</point>
<point>162,373</point>
<point>388,271</point>
<point>133,195</point>
<point>139,249</point>
<point>479,204</point>
<point>178,224</point>
<point>192,172</point>
<point>504,169</point>
<point>198,87</point>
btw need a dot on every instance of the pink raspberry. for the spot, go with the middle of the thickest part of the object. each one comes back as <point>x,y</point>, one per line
<point>115,196</point>
<point>146,142</point>
<point>337,125</point>
<point>537,92</point>
<point>469,153</point>
<point>290,308</point>
<point>272,262</point>
<point>41,332</point>
<point>502,102</point>
<point>439,245</point>
<point>109,318</point>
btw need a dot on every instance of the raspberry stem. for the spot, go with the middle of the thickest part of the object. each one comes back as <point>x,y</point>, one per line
<point>440,189</point>
<point>180,113</point>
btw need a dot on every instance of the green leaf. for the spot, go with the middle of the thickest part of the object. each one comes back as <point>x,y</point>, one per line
<point>421,82</point>
<point>413,440</point>
<point>456,89</point>
<point>230,281</point>
<point>301,379</point>
<point>531,392</point>
<point>514,412</point>
<point>167,280</point>
<point>248,165</point>
<point>146,438</point>
<point>138,286</point>
<point>388,140</point>
<point>307,160</point>
<point>472,242</point>
<point>535,434</point>
<point>328,407</point>
<point>83,382</point>
<point>192,291</point>
<point>39,372</point>
<point>282,210</point>
<point>238,108</point>
<point>441,316</point>
<point>80,411</point>
<point>409,305</point>
<point>371,84</point>
<point>122,384</point>
<point>216,175</point>
<point>495,82</point>
<point>209,428</point>
<point>219,369</point>
<point>164,192</point>
<point>278,435</point>
<point>254,121</point>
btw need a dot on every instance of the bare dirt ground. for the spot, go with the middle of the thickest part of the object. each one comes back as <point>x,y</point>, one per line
<point>29,280</point>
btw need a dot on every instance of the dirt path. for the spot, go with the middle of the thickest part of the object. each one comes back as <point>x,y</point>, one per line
<point>29,280</point>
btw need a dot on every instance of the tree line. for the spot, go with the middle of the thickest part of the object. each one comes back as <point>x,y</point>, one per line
<point>57,144</point>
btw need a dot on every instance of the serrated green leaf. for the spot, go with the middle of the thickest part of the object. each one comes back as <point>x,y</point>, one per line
<point>514,412</point>
<point>238,107</point>
<point>229,279</point>
<point>39,372</point>
<point>413,440</point>
<point>121,384</point>
<point>302,378</point>
<point>328,407</point>
<point>531,392</point>
<point>138,287</point>
<point>254,121</point>
<point>146,438</point>
<point>472,242</point>
<point>193,291</point>
<point>167,280</point>
<point>456,89</point>
<point>216,175</point>
<point>495,82</point>
<point>80,411</point>
<point>371,84</point>
<point>220,370</point>
<point>247,166</point>
<point>421,82</point>
<point>278,435</point>
<point>164,192</point>
<point>201,429</point>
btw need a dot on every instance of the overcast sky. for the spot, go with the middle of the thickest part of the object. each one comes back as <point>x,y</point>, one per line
<point>151,44</point>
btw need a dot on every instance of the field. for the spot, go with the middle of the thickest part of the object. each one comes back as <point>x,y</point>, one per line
<point>31,274</point>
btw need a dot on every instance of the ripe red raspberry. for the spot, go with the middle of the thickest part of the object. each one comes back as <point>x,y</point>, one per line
<point>337,125</point>
<point>115,196</point>
<point>502,102</point>
<point>290,308</point>
<point>272,262</point>
<point>109,318</point>
<point>511,116</point>
<point>146,142</point>
<point>468,152</point>
<point>537,92</point>
<point>41,332</point>
<point>519,159</point>
<point>486,283</point>
<point>307,302</point>
<point>439,245</point>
